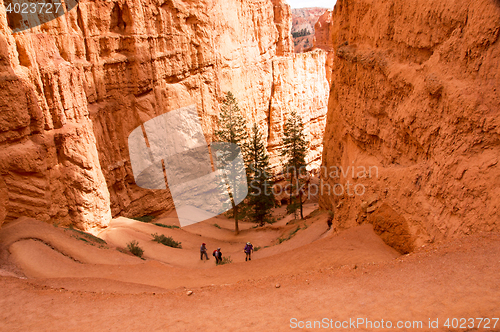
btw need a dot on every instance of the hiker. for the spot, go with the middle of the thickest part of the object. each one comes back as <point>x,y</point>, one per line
<point>248,250</point>
<point>203,251</point>
<point>218,256</point>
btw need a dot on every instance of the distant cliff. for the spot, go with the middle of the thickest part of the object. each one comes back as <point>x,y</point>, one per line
<point>303,21</point>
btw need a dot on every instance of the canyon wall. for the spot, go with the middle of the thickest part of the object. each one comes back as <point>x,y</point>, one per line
<point>323,40</point>
<point>304,19</point>
<point>414,110</point>
<point>73,90</point>
<point>322,37</point>
<point>49,164</point>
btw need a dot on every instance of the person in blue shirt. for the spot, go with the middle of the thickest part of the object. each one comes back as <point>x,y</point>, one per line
<point>248,251</point>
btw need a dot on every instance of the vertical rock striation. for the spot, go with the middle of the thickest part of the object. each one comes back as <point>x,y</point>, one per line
<point>73,90</point>
<point>49,164</point>
<point>323,40</point>
<point>415,95</point>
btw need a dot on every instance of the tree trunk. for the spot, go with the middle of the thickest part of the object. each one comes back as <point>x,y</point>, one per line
<point>300,200</point>
<point>235,212</point>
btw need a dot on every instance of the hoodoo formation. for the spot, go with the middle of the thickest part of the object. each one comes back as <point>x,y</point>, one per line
<point>391,106</point>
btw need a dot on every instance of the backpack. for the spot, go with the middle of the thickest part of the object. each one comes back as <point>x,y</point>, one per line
<point>213,254</point>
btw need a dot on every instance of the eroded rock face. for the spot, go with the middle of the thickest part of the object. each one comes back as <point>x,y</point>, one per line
<point>323,40</point>
<point>75,88</point>
<point>415,97</point>
<point>322,35</point>
<point>299,84</point>
<point>49,165</point>
<point>304,19</point>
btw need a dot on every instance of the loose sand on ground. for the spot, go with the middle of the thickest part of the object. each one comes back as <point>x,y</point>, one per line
<point>52,280</point>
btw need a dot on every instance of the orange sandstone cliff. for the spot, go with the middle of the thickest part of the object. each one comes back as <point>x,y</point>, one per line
<point>74,88</point>
<point>416,97</point>
<point>304,19</point>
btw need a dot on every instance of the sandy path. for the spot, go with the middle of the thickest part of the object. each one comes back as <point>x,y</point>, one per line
<point>50,253</point>
<point>69,285</point>
<point>458,279</point>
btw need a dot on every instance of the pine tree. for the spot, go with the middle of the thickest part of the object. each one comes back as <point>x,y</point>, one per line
<point>261,197</point>
<point>294,151</point>
<point>232,128</point>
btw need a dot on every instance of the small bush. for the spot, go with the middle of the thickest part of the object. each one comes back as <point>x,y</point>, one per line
<point>226,260</point>
<point>166,240</point>
<point>145,219</point>
<point>315,213</point>
<point>134,248</point>
<point>256,248</point>
<point>295,231</point>
<point>293,208</point>
<point>283,239</point>
<point>86,237</point>
<point>217,226</point>
<point>167,226</point>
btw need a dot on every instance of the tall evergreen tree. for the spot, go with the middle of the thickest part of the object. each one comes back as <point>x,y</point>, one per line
<point>261,196</point>
<point>294,151</point>
<point>232,128</point>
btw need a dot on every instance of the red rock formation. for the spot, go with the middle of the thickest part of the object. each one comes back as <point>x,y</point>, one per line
<point>416,95</point>
<point>322,37</point>
<point>74,89</point>
<point>49,165</point>
<point>323,40</point>
<point>305,19</point>
<point>299,84</point>
<point>283,21</point>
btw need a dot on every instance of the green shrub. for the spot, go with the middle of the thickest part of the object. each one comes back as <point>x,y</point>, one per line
<point>134,248</point>
<point>167,226</point>
<point>226,260</point>
<point>86,237</point>
<point>256,248</point>
<point>217,226</point>
<point>292,233</point>
<point>270,220</point>
<point>166,240</point>
<point>146,218</point>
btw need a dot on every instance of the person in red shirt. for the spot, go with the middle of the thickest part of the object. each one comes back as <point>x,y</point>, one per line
<point>218,256</point>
